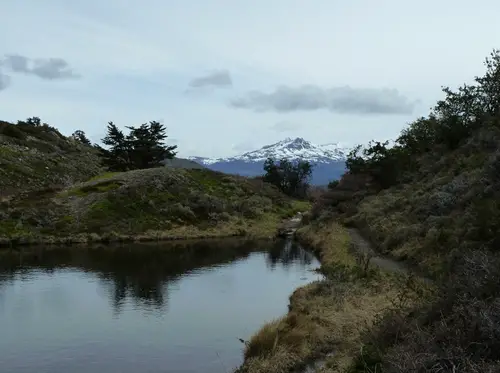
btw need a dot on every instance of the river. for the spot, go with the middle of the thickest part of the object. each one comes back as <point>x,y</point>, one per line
<point>173,307</point>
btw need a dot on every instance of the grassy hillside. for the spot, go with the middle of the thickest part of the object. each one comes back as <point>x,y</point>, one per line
<point>431,201</point>
<point>53,189</point>
<point>39,157</point>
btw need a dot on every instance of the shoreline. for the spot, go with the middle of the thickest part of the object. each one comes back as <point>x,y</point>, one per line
<point>327,319</point>
<point>260,229</point>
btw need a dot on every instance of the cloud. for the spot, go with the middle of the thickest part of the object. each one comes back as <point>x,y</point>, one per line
<point>218,78</point>
<point>43,68</point>
<point>343,100</point>
<point>284,126</point>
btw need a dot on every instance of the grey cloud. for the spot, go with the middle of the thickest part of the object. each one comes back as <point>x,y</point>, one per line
<point>284,126</point>
<point>44,68</point>
<point>343,100</point>
<point>218,78</point>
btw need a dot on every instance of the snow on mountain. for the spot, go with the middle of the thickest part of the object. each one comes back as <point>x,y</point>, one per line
<point>292,149</point>
<point>328,159</point>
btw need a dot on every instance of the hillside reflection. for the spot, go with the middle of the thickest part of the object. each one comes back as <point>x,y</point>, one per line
<point>287,253</point>
<point>143,273</point>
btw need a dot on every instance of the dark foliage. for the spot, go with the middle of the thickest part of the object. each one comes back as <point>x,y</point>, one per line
<point>451,122</point>
<point>142,148</point>
<point>81,137</point>
<point>292,178</point>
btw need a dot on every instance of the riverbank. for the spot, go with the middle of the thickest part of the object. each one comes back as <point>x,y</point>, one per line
<point>263,228</point>
<point>327,320</point>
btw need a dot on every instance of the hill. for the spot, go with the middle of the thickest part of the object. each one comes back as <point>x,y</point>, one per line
<point>40,157</point>
<point>430,200</point>
<point>54,190</point>
<point>328,159</point>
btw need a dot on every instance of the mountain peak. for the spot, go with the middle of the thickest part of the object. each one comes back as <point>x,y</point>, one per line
<point>299,143</point>
<point>289,148</point>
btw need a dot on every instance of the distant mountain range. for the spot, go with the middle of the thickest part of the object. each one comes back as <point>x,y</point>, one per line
<point>329,159</point>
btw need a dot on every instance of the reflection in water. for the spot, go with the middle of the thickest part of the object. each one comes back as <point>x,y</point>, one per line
<point>287,253</point>
<point>141,272</point>
<point>66,308</point>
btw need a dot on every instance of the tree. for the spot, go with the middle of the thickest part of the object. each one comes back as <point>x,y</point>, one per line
<point>146,144</point>
<point>116,158</point>
<point>80,136</point>
<point>333,184</point>
<point>34,121</point>
<point>291,178</point>
<point>143,147</point>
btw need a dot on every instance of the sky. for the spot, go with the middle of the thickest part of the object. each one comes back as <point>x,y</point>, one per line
<point>229,76</point>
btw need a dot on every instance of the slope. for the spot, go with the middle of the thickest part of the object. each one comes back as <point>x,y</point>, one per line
<point>432,200</point>
<point>40,157</point>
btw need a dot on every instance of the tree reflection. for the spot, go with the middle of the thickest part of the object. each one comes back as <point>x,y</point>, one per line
<point>138,273</point>
<point>287,252</point>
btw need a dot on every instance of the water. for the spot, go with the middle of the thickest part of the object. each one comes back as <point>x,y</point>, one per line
<point>140,309</point>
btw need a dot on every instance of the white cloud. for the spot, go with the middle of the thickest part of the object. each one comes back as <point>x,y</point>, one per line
<point>137,59</point>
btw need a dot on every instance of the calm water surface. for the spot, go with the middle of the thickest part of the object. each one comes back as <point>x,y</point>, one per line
<point>140,309</point>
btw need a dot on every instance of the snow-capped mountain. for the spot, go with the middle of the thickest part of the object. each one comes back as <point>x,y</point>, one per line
<point>329,159</point>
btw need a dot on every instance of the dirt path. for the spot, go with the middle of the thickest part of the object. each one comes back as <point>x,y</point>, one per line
<point>363,246</point>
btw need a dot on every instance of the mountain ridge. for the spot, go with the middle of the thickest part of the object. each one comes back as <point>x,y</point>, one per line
<point>290,148</point>
<point>328,159</point>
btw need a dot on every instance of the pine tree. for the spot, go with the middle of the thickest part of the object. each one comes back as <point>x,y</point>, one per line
<point>147,145</point>
<point>116,158</point>
<point>80,136</point>
<point>143,147</point>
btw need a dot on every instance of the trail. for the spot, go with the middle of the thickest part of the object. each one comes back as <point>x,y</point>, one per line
<point>361,245</point>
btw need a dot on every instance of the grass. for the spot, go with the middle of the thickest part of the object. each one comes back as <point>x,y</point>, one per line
<point>35,158</point>
<point>326,319</point>
<point>155,204</point>
<point>104,176</point>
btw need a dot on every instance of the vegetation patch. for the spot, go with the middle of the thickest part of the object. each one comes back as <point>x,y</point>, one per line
<point>156,203</point>
<point>35,156</point>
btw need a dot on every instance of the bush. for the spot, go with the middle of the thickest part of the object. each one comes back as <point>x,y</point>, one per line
<point>11,130</point>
